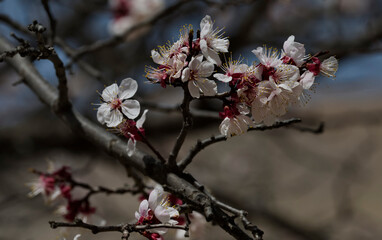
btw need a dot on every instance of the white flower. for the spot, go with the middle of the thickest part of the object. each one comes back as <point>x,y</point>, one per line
<point>236,125</point>
<point>273,100</point>
<point>211,41</point>
<point>196,75</point>
<point>157,206</point>
<point>268,57</point>
<point>116,103</point>
<point>131,144</point>
<point>286,74</point>
<point>294,50</point>
<point>46,187</point>
<point>329,67</point>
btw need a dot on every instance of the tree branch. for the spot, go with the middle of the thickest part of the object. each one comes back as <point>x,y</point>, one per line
<point>187,123</point>
<point>78,223</point>
<point>49,53</point>
<point>116,147</point>
<point>52,20</point>
<point>200,145</point>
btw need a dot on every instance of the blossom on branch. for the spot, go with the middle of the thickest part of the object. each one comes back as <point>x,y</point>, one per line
<point>197,76</point>
<point>51,184</point>
<point>117,103</point>
<point>211,41</point>
<point>328,67</point>
<point>156,210</point>
<point>293,52</point>
<point>133,131</point>
<point>233,122</point>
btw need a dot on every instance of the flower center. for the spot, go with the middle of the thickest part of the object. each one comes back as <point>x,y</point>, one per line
<point>116,103</point>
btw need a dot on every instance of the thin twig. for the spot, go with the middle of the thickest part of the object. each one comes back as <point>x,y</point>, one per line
<point>174,108</point>
<point>187,123</point>
<point>116,228</point>
<point>52,20</point>
<point>317,130</point>
<point>153,149</point>
<point>200,145</point>
<point>49,53</point>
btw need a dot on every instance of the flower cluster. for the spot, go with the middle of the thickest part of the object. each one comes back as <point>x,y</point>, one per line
<point>128,13</point>
<point>266,89</point>
<point>118,111</point>
<point>157,209</point>
<point>261,92</point>
<point>57,185</point>
<point>189,60</point>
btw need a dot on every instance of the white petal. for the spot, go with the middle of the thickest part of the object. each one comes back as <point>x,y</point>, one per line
<point>127,88</point>
<point>110,93</point>
<point>241,68</point>
<point>103,113</point>
<point>258,52</point>
<point>307,79</point>
<point>77,237</point>
<point>195,62</point>
<point>157,58</point>
<point>222,77</point>
<point>116,118</point>
<point>193,88</point>
<point>203,46</point>
<point>144,208</point>
<point>224,126</point>
<point>212,56</point>
<point>288,42</point>
<point>207,87</point>
<point>205,69</point>
<point>186,75</point>
<point>259,110</point>
<point>131,108</point>
<point>142,119</point>
<point>329,67</point>
<point>243,108</point>
<point>220,45</point>
<point>173,222</point>
<point>154,199</point>
<point>131,147</point>
<point>205,26</point>
<point>137,215</point>
<point>246,120</point>
<point>162,214</point>
<point>173,212</point>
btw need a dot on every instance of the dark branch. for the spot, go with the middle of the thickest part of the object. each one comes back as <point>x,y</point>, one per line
<point>317,130</point>
<point>117,228</point>
<point>52,20</point>
<point>49,53</point>
<point>200,145</point>
<point>187,123</point>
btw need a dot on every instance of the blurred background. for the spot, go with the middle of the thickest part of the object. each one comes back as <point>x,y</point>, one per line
<point>295,185</point>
